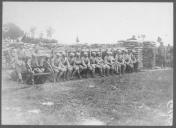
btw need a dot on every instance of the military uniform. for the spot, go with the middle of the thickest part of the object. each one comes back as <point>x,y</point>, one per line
<point>72,64</point>
<point>79,64</point>
<point>108,59</point>
<point>58,67</point>
<point>67,65</point>
<point>20,68</point>
<point>117,65</point>
<point>87,65</point>
<point>129,64</point>
<point>100,64</point>
<point>122,64</point>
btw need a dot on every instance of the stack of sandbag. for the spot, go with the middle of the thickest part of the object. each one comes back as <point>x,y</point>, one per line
<point>138,55</point>
<point>149,55</point>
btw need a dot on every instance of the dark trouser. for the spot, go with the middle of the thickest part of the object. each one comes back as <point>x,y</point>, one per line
<point>136,66</point>
<point>129,68</point>
<point>162,61</point>
<point>123,68</point>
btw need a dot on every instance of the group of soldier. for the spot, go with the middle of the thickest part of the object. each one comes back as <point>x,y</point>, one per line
<point>67,66</point>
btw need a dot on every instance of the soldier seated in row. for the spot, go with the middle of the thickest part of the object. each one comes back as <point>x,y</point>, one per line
<point>57,66</point>
<point>93,61</point>
<point>34,63</point>
<point>71,60</point>
<point>109,62</point>
<point>46,63</point>
<point>117,65</point>
<point>78,67</point>
<point>121,61</point>
<point>86,63</point>
<point>128,62</point>
<point>67,65</point>
<point>100,64</point>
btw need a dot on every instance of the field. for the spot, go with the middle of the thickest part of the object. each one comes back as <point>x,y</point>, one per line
<point>133,99</point>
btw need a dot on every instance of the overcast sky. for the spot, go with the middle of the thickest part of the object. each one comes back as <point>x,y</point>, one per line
<point>94,22</point>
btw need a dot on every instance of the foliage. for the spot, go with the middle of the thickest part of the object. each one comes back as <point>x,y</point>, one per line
<point>11,31</point>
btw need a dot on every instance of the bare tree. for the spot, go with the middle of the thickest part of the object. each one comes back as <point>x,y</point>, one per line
<point>32,31</point>
<point>49,32</point>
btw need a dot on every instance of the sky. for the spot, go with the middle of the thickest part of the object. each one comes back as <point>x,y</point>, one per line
<point>94,22</point>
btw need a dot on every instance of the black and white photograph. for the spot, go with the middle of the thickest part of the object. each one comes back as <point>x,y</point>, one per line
<point>87,63</point>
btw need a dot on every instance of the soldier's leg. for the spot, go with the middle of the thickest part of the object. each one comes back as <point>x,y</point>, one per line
<point>119,69</point>
<point>69,71</point>
<point>61,73</point>
<point>64,69</point>
<point>75,68</point>
<point>116,68</point>
<point>100,68</point>
<point>84,70</point>
<point>79,70</point>
<point>93,66</point>
<point>123,68</point>
<point>107,67</point>
<point>112,69</point>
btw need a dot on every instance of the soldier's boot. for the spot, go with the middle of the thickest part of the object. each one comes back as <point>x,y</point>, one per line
<point>119,70</point>
<point>68,75</point>
<point>73,74</point>
<point>107,72</point>
<point>79,75</point>
<point>65,76</point>
<point>93,73</point>
<point>87,72</point>
<point>101,72</point>
<point>60,75</point>
<point>111,71</point>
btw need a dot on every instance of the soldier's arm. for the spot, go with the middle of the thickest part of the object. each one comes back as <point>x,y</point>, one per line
<point>88,62</point>
<point>68,63</point>
<point>52,64</point>
<point>106,60</point>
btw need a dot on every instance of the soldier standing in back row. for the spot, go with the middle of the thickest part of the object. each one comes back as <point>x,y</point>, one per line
<point>162,55</point>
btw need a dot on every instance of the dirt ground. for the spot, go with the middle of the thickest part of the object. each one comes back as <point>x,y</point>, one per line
<point>133,99</point>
